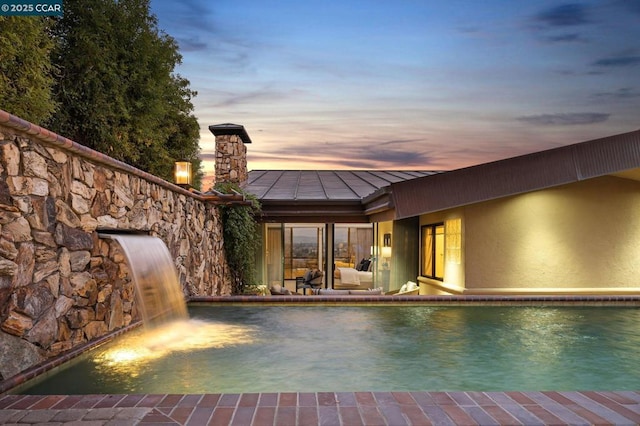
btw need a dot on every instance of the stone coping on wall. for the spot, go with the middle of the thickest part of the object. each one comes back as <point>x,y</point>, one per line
<point>52,139</point>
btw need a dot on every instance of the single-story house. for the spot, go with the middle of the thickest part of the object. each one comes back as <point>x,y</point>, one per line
<point>559,221</point>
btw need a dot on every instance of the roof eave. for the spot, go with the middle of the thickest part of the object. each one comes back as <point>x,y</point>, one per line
<point>306,211</point>
<point>517,175</point>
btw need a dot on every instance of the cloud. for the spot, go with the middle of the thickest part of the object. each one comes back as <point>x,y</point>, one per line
<point>350,154</point>
<point>191,44</point>
<point>578,73</point>
<point>619,61</point>
<point>569,119</point>
<point>195,26</point>
<point>396,142</point>
<point>566,15</point>
<point>387,156</point>
<point>184,21</point>
<point>553,23</point>
<point>248,98</point>
<point>566,38</point>
<point>470,30</point>
<point>622,93</point>
<point>207,156</point>
<point>631,5</point>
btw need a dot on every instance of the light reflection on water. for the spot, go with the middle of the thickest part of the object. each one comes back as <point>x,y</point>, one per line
<point>338,348</point>
<point>133,351</point>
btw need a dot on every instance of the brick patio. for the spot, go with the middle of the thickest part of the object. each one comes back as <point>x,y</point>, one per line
<point>329,408</point>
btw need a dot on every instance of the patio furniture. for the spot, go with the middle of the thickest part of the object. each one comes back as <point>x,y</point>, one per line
<point>278,290</point>
<point>311,279</point>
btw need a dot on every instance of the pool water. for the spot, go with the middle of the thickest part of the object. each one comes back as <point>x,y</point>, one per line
<point>235,349</point>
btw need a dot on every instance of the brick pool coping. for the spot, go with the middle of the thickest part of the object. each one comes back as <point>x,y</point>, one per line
<point>339,408</point>
<point>328,408</point>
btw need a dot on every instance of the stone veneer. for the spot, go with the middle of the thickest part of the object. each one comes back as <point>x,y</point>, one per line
<point>231,153</point>
<point>60,284</point>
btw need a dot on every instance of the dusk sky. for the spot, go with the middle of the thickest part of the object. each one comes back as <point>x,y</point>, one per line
<point>407,84</point>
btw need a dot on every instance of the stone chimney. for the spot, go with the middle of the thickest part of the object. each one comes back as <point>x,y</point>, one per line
<point>231,152</point>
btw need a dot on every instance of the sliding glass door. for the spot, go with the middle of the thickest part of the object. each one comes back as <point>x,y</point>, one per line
<point>303,249</point>
<point>352,243</point>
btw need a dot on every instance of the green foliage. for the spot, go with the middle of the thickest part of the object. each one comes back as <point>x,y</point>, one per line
<point>118,86</point>
<point>26,78</point>
<point>241,239</point>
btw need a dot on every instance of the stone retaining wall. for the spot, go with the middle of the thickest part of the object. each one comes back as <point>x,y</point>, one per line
<point>61,285</point>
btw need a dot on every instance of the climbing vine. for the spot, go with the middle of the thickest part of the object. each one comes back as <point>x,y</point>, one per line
<point>241,236</point>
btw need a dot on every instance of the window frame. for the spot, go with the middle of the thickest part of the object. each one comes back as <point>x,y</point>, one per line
<point>432,274</point>
<point>289,250</point>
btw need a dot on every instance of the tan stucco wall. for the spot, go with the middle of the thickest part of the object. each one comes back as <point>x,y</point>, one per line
<point>583,236</point>
<point>454,273</point>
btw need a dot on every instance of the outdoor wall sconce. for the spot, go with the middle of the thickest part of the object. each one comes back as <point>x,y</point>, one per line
<point>183,173</point>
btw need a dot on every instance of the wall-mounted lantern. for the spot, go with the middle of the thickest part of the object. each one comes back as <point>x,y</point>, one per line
<point>183,173</point>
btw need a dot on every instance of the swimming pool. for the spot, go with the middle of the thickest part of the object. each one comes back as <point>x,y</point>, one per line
<point>234,349</point>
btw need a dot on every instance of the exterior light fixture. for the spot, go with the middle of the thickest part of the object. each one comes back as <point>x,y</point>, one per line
<point>183,173</point>
<point>386,254</point>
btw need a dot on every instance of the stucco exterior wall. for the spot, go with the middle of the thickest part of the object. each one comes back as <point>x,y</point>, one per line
<point>582,237</point>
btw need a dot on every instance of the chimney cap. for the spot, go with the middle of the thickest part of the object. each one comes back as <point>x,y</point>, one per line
<point>230,129</point>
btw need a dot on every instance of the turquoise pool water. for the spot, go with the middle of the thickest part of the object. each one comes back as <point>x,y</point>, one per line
<point>350,348</point>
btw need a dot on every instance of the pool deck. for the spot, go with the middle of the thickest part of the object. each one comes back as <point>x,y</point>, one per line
<point>328,408</point>
<point>336,408</point>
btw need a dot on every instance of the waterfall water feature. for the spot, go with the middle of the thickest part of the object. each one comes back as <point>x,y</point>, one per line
<point>159,295</point>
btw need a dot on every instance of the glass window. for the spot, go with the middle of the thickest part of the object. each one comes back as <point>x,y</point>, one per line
<point>432,251</point>
<point>302,248</point>
<point>352,244</point>
<point>274,252</point>
<point>453,243</point>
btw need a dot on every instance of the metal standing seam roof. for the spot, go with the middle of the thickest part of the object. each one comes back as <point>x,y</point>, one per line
<point>617,155</point>
<point>323,185</point>
<point>384,195</point>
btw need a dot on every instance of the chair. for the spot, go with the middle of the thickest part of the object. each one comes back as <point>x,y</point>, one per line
<point>311,279</point>
<point>300,285</point>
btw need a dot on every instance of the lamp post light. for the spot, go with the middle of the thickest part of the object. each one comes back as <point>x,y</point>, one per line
<point>183,173</point>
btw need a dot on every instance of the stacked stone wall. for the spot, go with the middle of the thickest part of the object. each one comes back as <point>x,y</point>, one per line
<point>231,159</point>
<point>61,285</point>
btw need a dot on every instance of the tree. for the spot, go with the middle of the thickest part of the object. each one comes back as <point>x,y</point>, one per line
<point>26,79</point>
<point>118,85</point>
